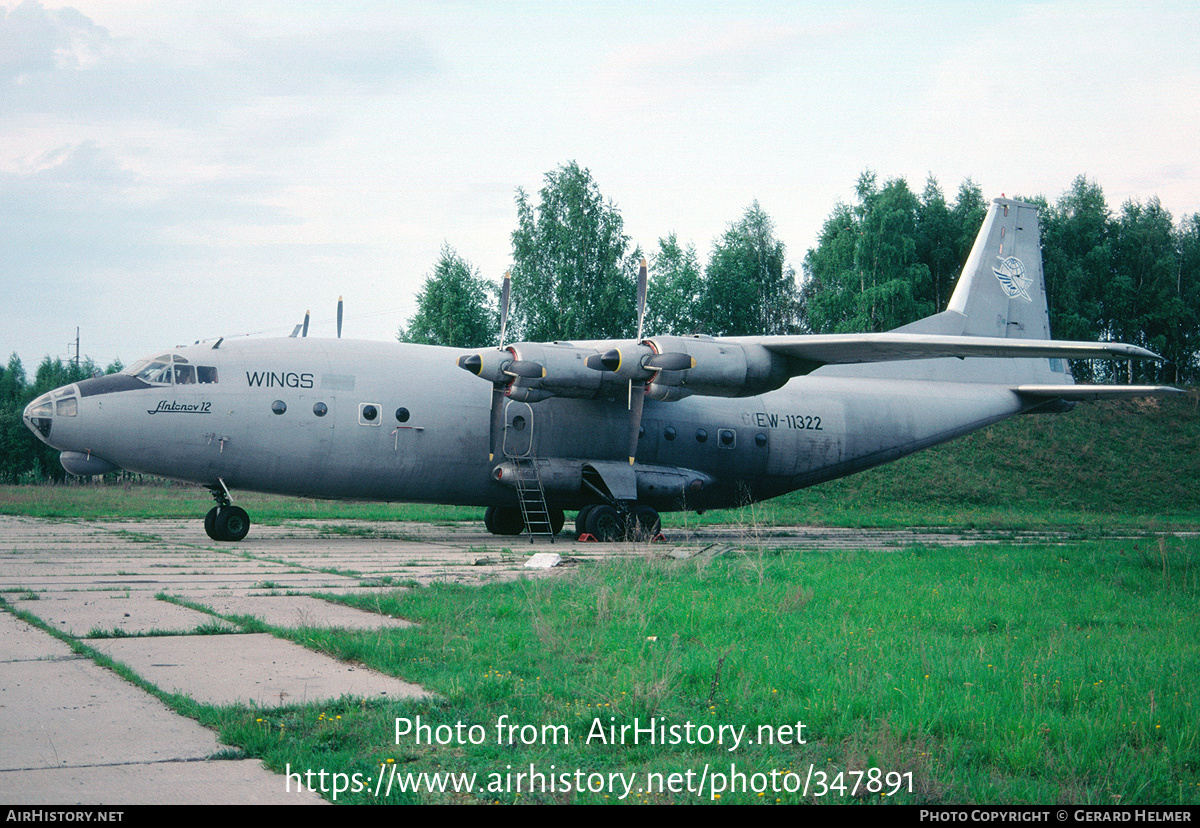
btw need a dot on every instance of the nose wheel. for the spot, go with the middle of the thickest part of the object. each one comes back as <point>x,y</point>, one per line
<point>225,522</point>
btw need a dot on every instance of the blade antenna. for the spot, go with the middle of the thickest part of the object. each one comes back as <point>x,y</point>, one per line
<point>339,318</point>
<point>304,332</point>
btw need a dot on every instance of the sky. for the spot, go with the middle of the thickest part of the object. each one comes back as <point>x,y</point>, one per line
<point>176,171</point>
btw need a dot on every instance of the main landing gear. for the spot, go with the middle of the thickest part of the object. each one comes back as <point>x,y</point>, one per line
<point>626,522</point>
<point>226,522</point>
<point>508,520</point>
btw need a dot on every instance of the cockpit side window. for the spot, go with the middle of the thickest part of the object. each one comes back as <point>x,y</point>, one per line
<point>206,374</point>
<point>185,374</point>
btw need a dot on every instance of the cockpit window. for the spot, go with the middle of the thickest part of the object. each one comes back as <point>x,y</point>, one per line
<point>169,369</point>
<point>156,373</point>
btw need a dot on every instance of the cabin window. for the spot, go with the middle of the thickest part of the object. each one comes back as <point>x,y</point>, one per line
<point>368,414</point>
<point>402,415</point>
<point>669,433</point>
<point>279,406</point>
<point>701,435</point>
<point>727,437</point>
<point>320,409</point>
<point>760,439</point>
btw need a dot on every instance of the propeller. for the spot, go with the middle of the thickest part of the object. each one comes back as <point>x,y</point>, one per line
<point>301,329</point>
<point>498,388</point>
<point>636,401</point>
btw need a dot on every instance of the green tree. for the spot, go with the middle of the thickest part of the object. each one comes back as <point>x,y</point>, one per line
<point>1077,262</point>
<point>866,274</point>
<point>748,287</point>
<point>573,276</point>
<point>454,308</point>
<point>673,295</point>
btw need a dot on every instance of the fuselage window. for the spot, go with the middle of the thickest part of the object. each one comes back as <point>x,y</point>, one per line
<point>701,435</point>
<point>669,433</point>
<point>726,437</point>
<point>760,439</point>
<point>368,414</point>
<point>320,409</point>
<point>402,415</point>
<point>279,406</point>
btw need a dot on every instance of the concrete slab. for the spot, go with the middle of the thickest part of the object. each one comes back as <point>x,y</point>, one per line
<point>280,610</point>
<point>122,612</point>
<point>254,669</point>
<point>23,642</point>
<point>72,712</point>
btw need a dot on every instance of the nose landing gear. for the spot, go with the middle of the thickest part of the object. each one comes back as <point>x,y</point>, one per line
<point>225,522</point>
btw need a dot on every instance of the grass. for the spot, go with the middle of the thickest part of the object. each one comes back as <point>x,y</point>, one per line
<point>990,674</point>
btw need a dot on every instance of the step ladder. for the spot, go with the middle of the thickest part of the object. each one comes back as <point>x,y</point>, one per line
<point>532,496</point>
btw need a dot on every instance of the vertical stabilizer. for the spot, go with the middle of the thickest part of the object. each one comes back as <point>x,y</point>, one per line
<point>1002,291</point>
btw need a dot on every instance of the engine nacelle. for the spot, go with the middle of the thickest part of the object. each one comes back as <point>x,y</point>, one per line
<point>722,369</point>
<point>565,373</point>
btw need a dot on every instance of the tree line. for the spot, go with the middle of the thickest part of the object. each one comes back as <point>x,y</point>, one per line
<point>884,259</point>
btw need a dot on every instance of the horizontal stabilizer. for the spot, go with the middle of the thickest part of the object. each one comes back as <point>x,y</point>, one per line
<point>1086,393</point>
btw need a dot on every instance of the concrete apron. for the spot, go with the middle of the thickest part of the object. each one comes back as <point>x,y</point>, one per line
<point>76,733</point>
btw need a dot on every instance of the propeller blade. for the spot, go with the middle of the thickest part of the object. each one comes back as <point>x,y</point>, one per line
<point>497,428</point>
<point>641,297</point>
<point>505,291</point>
<point>305,331</point>
<point>339,321</point>
<point>669,362</point>
<point>524,368</point>
<point>636,399</point>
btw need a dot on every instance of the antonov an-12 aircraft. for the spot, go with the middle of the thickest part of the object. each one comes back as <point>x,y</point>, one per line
<point>618,430</point>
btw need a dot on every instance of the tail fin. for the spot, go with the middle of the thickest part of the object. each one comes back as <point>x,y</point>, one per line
<point>1002,291</point>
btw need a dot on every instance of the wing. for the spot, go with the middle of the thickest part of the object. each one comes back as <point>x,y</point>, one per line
<point>846,349</point>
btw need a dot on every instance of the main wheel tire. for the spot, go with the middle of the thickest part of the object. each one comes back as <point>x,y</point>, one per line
<point>210,523</point>
<point>581,519</point>
<point>607,524</point>
<point>646,524</point>
<point>557,520</point>
<point>231,523</point>
<point>504,520</point>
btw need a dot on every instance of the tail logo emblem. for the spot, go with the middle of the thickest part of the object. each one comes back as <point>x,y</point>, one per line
<point>1014,283</point>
